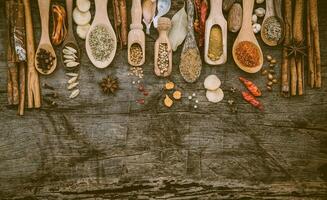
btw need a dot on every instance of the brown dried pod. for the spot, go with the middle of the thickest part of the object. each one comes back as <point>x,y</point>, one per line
<point>235,17</point>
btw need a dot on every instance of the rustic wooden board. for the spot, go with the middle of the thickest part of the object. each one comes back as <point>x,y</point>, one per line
<point>109,147</point>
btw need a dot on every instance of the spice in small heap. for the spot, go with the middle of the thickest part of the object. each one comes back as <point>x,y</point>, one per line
<point>272,29</point>
<point>270,73</point>
<point>109,85</point>
<point>44,60</point>
<point>101,43</point>
<point>247,54</point>
<point>136,53</point>
<point>191,64</point>
<point>215,43</point>
<point>136,71</point>
<point>163,61</point>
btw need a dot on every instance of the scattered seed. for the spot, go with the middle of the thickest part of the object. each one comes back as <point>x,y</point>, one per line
<point>270,77</point>
<point>270,83</point>
<point>272,65</point>
<point>71,49</point>
<point>189,97</point>
<point>74,94</point>
<point>72,86</point>
<point>196,101</point>
<point>72,64</point>
<point>273,61</point>
<point>70,57</point>
<point>264,72</point>
<point>133,82</point>
<point>72,74</point>
<point>272,71</point>
<point>275,80</point>
<point>230,102</point>
<point>193,94</point>
<point>195,106</point>
<point>269,88</point>
<point>269,57</point>
<point>72,80</point>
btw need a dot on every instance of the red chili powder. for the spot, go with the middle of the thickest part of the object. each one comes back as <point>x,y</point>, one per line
<point>247,54</point>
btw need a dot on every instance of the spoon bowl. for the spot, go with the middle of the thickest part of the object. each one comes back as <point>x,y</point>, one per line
<point>246,34</point>
<point>50,49</point>
<point>101,20</point>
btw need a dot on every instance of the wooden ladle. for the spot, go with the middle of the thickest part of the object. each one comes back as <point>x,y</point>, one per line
<point>216,18</point>
<point>44,7</point>
<point>136,34</point>
<point>101,19</point>
<point>246,34</point>
<point>70,38</point>
<point>270,14</point>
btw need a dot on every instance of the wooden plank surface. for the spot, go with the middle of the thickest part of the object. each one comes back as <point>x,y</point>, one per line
<point>109,147</point>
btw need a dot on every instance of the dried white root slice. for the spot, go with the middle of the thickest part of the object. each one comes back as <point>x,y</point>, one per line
<point>69,57</point>
<point>215,96</point>
<point>82,30</point>
<point>74,94</point>
<point>70,49</point>
<point>72,80</point>
<point>83,5</point>
<point>71,74</point>
<point>72,86</point>
<point>72,64</point>
<point>81,18</point>
<point>212,82</point>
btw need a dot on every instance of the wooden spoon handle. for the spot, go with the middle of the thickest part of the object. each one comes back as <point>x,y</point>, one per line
<point>101,10</point>
<point>136,12</point>
<point>190,15</point>
<point>69,8</point>
<point>44,6</point>
<point>278,9</point>
<point>270,8</point>
<point>247,14</point>
<point>216,7</point>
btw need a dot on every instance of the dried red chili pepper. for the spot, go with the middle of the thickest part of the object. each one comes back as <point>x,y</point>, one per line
<point>252,100</point>
<point>203,17</point>
<point>251,87</point>
<point>196,23</point>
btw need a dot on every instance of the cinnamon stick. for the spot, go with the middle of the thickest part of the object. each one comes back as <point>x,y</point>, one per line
<point>124,26</point>
<point>33,83</point>
<point>293,76</point>
<point>311,63</point>
<point>316,37</point>
<point>22,74</point>
<point>285,72</point>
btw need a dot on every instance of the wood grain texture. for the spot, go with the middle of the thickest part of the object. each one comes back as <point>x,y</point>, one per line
<point>109,147</point>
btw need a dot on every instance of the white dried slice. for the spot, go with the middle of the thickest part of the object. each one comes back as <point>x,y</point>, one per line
<point>212,82</point>
<point>71,74</point>
<point>82,30</point>
<point>68,60</point>
<point>70,49</point>
<point>215,96</point>
<point>83,5</point>
<point>72,80</point>
<point>74,94</point>
<point>72,64</point>
<point>69,57</point>
<point>72,86</point>
<point>67,52</point>
<point>81,18</point>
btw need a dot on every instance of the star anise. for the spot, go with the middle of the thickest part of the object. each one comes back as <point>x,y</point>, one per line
<point>109,84</point>
<point>296,49</point>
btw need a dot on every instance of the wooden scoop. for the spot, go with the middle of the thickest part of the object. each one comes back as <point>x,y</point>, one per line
<point>216,17</point>
<point>278,11</point>
<point>70,38</point>
<point>246,34</point>
<point>44,7</point>
<point>164,25</point>
<point>136,34</point>
<point>101,19</point>
<point>270,13</point>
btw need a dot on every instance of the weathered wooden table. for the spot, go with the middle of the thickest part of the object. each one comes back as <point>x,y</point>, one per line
<point>110,147</point>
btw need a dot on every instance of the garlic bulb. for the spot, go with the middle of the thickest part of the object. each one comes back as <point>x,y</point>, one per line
<point>260,12</point>
<point>254,19</point>
<point>259,1</point>
<point>149,10</point>
<point>256,28</point>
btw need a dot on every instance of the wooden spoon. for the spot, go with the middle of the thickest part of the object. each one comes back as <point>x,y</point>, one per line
<point>70,38</point>
<point>216,18</point>
<point>136,34</point>
<point>44,7</point>
<point>101,19</point>
<point>270,14</point>
<point>278,11</point>
<point>246,34</point>
<point>164,25</point>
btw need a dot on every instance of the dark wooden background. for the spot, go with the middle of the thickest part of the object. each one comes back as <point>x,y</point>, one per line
<point>109,147</point>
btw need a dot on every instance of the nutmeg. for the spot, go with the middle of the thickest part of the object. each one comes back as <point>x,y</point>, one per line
<point>234,19</point>
<point>227,4</point>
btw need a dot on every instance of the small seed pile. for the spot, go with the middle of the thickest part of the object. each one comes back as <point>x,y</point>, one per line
<point>70,59</point>
<point>101,43</point>
<point>136,71</point>
<point>136,53</point>
<point>177,95</point>
<point>270,73</point>
<point>163,60</point>
<point>49,97</point>
<point>45,60</point>
<point>272,29</point>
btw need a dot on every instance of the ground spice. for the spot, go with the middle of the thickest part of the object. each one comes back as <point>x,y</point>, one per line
<point>136,53</point>
<point>190,66</point>
<point>101,43</point>
<point>44,59</point>
<point>215,43</point>
<point>163,60</point>
<point>247,54</point>
<point>272,29</point>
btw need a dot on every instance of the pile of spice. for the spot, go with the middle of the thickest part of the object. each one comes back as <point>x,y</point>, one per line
<point>215,43</point>
<point>163,60</point>
<point>191,65</point>
<point>45,59</point>
<point>272,29</point>
<point>109,85</point>
<point>270,73</point>
<point>101,43</point>
<point>136,71</point>
<point>247,54</point>
<point>136,53</point>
